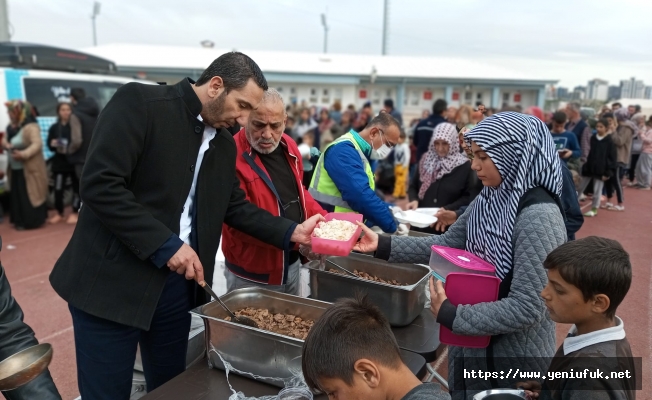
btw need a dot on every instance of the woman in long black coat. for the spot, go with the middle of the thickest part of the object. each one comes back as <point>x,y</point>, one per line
<point>444,178</point>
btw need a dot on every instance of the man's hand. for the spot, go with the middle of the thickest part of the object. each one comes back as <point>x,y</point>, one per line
<point>605,178</point>
<point>369,241</point>
<point>445,218</point>
<point>566,154</point>
<point>437,295</point>
<point>185,261</point>
<point>54,143</point>
<point>303,232</point>
<point>413,205</point>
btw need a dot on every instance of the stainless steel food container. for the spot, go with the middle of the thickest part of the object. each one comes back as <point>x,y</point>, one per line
<point>501,394</point>
<point>253,350</point>
<point>400,304</point>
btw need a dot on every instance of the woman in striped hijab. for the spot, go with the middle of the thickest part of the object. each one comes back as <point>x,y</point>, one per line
<point>513,224</point>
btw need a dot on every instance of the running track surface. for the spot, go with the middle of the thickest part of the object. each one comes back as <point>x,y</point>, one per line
<point>30,262</point>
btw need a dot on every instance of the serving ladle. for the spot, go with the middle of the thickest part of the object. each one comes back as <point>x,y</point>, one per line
<point>242,320</point>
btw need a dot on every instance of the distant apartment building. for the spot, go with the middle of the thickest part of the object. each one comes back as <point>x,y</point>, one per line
<point>613,92</point>
<point>632,89</point>
<point>562,93</point>
<point>597,89</point>
<point>648,92</point>
<point>579,93</point>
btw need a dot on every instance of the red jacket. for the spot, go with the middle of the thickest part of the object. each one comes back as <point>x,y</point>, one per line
<point>247,257</point>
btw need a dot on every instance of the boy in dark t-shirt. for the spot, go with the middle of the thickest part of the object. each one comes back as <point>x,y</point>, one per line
<point>351,353</point>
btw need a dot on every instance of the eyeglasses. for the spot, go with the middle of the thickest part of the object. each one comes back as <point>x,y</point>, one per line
<point>389,144</point>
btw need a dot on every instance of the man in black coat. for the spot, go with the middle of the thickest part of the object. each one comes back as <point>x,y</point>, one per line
<point>423,130</point>
<point>15,336</point>
<point>158,183</point>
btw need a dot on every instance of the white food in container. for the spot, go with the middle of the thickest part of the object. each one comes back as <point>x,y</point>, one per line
<point>335,229</point>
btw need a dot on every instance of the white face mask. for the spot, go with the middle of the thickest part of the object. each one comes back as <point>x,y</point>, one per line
<point>382,152</point>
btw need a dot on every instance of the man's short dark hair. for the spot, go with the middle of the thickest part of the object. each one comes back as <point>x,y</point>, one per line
<point>439,107</point>
<point>637,107</point>
<point>385,120</point>
<point>559,117</point>
<point>77,93</point>
<point>594,265</point>
<point>235,69</point>
<point>389,103</point>
<point>608,115</point>
<point>616,104</point>
<point>350,330</point>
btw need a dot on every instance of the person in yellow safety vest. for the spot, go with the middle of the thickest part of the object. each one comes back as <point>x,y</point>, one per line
<point>343,180</point>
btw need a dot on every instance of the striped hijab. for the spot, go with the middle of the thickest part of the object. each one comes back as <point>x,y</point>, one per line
<point>522,149</point>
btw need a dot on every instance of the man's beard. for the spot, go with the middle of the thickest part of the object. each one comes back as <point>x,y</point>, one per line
<point>214,110</point>
<point>256,143</point>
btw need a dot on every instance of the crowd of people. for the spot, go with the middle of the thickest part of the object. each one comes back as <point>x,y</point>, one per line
<point>164,180</point>
<point>28,180</point>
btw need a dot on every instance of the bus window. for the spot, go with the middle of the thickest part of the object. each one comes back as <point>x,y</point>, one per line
<point>45,93</point>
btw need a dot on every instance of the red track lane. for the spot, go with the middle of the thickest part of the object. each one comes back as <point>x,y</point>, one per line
<point>29,264</point>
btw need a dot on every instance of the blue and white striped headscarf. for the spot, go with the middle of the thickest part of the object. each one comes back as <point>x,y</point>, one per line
<point>522,149</point>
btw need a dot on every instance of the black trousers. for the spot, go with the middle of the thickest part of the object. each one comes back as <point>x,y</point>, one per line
<point>59,186</point>
<point>106,350</point>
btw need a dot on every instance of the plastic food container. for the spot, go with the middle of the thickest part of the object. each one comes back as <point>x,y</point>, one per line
<point>337,247</point>
<point>415,218</point>
<point>445,260</point>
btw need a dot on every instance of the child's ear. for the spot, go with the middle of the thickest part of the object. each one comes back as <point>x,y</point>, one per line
<point>368,372</point>
<point>601,303</point>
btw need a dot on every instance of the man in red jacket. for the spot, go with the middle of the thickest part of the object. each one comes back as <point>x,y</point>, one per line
<point>270,169</point>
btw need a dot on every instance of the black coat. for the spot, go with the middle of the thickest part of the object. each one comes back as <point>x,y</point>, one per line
<point>456,189</point>
<point>87,111</point>
<point>137,177</point>
<point>15,335</point>
<point>602,159</point>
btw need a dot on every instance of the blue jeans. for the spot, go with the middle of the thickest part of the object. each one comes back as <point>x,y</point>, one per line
<point>106,350</point>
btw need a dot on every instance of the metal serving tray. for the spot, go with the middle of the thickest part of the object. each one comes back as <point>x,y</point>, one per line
<point>400,304</point>
<point>252,350</point>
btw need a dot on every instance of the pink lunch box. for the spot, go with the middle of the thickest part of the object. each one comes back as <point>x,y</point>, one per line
<point>337,247</point>
<point>468,280</point>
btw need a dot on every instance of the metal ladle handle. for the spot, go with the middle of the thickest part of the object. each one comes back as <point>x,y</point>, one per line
<point>216,297</point>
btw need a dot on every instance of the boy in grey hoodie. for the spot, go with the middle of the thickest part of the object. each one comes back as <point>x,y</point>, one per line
<point>351,353</point>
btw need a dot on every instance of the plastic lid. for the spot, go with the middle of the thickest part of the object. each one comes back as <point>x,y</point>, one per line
<point>463,258</point>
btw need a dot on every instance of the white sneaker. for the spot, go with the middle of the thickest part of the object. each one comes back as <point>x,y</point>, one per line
<point>616,208</point>
<point>607,205</point>
<point>582,197</point>
<point>591,213</point>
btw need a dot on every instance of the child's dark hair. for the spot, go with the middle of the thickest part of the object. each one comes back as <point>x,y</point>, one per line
<point>560,117</point>
<point>603,121</point>
<point>595,265</point>
<point>350,330</point>
<point>402,135</point>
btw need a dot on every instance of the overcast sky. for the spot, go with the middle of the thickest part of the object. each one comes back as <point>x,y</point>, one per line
<point>569,40</point>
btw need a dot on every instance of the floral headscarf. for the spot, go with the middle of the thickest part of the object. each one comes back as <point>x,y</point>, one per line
<point>432,166</point>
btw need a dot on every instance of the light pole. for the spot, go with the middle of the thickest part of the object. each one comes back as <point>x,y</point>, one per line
<point>385,26</point>
<point>96,12</point>
<point>323,23</point>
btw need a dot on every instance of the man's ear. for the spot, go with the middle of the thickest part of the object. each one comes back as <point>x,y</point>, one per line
<point>368,372</point>
<point>215,87</point>
<point>601,303</point>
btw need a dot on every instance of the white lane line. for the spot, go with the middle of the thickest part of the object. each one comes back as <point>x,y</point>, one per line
<point>55,334</point>
<point>27,278</point>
